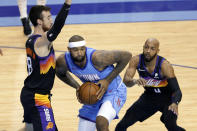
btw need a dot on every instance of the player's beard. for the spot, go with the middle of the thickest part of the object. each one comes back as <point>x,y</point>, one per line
<point>78,59</point>
<point>149,59</point>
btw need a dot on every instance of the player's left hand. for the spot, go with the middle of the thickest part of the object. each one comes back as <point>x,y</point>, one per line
<point>174,108</point>
<point>103,87</point>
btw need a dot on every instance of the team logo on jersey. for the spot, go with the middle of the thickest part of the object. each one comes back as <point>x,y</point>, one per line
<point>156,83</point>
<point>49,126</point>
<point>156,76</point>
<point>152,82</point>
<point>118,102</point>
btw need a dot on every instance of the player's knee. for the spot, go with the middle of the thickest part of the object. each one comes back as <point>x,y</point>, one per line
<point>168,116</point>
<point>169,119</point>
<point>102,123</point>
<point>170,124</point>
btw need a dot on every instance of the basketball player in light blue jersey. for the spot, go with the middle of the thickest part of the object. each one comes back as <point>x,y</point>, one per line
<point>96,66</point>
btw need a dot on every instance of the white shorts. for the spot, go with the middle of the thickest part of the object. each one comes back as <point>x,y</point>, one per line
<point>106,111</point>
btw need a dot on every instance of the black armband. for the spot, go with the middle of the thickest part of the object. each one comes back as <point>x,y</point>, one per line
<point>176,92</point>
<point>59,23</point>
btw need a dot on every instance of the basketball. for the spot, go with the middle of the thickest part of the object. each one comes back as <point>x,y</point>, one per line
<point>87,93</point>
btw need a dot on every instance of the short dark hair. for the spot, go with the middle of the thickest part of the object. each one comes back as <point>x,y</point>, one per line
<point>75,38</point>
<point>36,13</point>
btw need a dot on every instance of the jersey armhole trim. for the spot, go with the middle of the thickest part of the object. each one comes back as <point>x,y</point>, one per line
<point>139,63</point>
<point>65,57</point>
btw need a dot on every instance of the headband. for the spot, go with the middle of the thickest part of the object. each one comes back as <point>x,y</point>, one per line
<point>76,44</point>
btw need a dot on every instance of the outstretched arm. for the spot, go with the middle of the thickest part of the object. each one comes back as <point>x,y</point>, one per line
<point>59,22</point>
<point>102,59</point>
<point>130,72</point>
<point>168,72</point>
<point>63,73</point>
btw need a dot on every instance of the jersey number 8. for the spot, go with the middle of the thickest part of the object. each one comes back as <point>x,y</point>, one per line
<point>29,66</point>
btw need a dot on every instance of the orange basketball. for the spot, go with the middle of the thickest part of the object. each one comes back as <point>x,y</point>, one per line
<point>87,93</point>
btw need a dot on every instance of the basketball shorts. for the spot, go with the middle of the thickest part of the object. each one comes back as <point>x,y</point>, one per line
<point>37,110</point>
<point>117,97</point>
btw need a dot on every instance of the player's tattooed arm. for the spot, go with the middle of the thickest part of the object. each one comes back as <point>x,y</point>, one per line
<point>63,74</point>
<point>102,59</point>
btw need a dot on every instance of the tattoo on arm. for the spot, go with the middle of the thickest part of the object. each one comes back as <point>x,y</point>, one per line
<point>68,79</point>
<point>102,59</point>
<point>63,73</point>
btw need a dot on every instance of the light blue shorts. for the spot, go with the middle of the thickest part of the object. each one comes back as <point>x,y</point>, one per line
<point>117,97</point>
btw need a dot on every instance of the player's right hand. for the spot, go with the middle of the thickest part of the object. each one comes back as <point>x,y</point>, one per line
<point>140,82</point>
<point>68,2</point>
<point>103,88</point>
<point>174,108</point>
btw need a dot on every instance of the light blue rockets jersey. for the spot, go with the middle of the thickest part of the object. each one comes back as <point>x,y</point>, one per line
<point>89,72</point>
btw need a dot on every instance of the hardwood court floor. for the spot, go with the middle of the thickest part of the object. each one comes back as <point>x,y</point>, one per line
<point>178,45</point>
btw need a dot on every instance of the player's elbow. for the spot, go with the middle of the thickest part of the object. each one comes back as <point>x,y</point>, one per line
<point>60,73</point>
<point>127,55</point>
<point>52,35</point>
<point>123,58</point>
<point>126,81</point>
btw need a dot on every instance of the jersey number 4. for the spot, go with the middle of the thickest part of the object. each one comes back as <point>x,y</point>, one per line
<point>29,66</point>
<point>157,90</point>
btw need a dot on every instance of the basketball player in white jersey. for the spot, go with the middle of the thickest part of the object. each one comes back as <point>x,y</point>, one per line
<point>22,5</point>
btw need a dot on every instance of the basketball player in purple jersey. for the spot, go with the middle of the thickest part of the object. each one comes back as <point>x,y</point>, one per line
<point>96,66</point>
<point>35,95</point>
<point>162,92</point>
